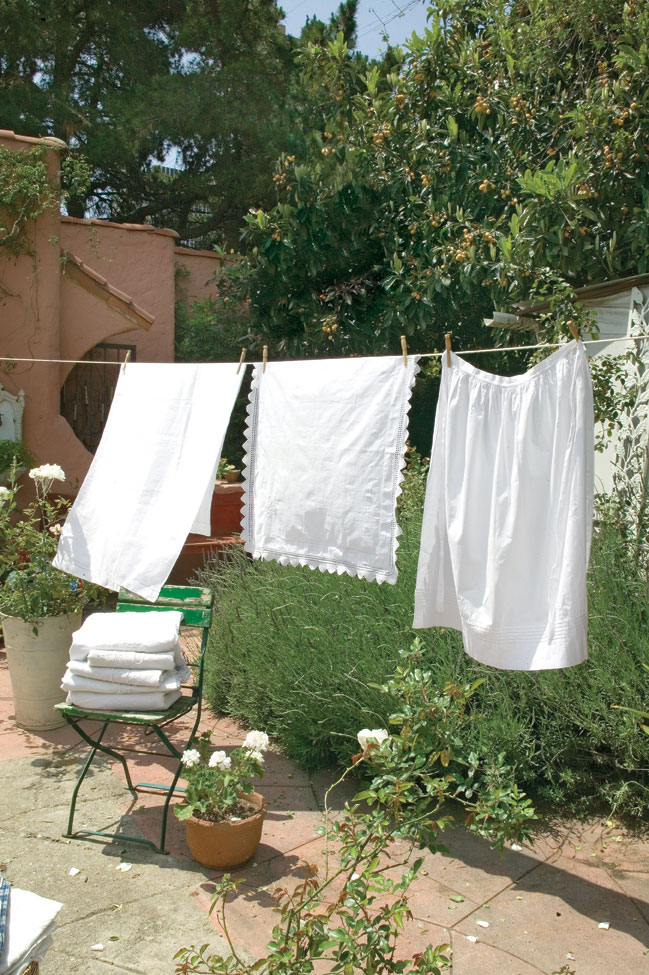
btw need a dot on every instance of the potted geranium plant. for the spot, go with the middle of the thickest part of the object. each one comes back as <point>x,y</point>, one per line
<point>226,471</point>
<point>223,814</point>
<point>40,606</point>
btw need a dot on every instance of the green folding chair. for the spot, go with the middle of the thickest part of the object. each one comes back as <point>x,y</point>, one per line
<point>196,607</point>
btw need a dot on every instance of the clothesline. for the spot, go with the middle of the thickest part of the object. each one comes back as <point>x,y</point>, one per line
<point>543,345</point>
<point>422,355</point>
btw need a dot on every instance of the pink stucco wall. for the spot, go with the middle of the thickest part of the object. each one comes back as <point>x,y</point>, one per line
<point>196,274</point>
<point>50,310</point>
<point>136,259</point>
<point>29,327</point>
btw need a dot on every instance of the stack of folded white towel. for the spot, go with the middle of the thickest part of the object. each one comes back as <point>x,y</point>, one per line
<point>126,662</point>
<point>31,919</point>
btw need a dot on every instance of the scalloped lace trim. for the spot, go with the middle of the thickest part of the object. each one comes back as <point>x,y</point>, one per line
<point>340,567</point>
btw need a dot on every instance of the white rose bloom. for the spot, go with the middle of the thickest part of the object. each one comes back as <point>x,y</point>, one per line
<point>5,495</point>
<point>367,735</point>
<point>256,741</point>
<point>191,757</point>
<point>220,760</point>
<point>47,472</point>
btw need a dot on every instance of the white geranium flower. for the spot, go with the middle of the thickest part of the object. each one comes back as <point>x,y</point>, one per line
<point>258,756</point>
<point>47,472</point>
<point>376,736</point>
<point>256,741</point>
<point>220,760</point>
<point>5,495</point>
<point>191,757</point>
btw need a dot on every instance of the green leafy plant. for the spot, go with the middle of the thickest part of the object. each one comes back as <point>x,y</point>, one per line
<point>30,587</point>
<point>217,783</point>
<point>224,467</point>
<point>13,452</point>
<point>307,650</point>
<point>26,191</point>
<point>640,714</point>
<point>413,775</point>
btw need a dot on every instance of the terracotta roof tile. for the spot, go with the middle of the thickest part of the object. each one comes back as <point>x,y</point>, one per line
<point>114,292</point>
<point>146,227</point>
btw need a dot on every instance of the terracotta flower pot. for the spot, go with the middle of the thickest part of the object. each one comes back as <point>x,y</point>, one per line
<point>231,476</point>
<point>225,845</point>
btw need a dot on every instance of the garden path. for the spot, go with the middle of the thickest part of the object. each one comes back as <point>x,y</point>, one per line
<point>542,907</point>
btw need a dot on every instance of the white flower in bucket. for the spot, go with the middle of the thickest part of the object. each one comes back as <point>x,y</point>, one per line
<point>44,475</point>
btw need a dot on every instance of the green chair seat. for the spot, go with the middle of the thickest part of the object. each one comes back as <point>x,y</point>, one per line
<point>196,607</point>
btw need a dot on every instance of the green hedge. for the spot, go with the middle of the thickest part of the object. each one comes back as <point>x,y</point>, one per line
<point>297,652</point>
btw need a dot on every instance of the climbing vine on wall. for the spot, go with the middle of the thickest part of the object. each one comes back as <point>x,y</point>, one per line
<point>26,191</point>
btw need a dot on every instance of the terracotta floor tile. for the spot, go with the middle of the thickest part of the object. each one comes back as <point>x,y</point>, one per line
<point>555,910</point>
<point>471,958</point>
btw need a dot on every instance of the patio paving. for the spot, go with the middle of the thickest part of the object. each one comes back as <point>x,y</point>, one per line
<point>542,905</point>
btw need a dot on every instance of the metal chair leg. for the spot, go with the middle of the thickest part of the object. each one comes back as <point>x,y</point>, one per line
<point>84,770</point>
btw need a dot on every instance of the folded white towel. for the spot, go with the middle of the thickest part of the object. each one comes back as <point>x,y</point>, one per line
<point>153,632</point>
<point>146,701</point>
<point>131,660</point>
<point>30,921</point>
<point>123,676</point>
<point>35,953</point>
<point>172,681</point>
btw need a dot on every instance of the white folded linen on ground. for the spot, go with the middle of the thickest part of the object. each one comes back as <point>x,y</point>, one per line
<point>152,700</point>
<point>30,922</point>
<point>124,677</point>
<point>172,681</point>
<point>155,632</point>
<point>153,470</point>
<point>131,660</point>
<point>325,451</point>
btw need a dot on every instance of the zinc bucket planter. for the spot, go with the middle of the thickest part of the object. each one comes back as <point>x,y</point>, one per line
<point>37,655</point>
<point>227,844</point>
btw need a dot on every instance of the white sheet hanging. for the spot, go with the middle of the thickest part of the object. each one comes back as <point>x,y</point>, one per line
<point>508,512</point>
<point>151,479</point>
<point>325,450</point>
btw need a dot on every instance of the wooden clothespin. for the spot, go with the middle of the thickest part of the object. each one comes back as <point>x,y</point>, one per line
<point>404,349</point>
<point>242,359</point>
<point>126,359</point>
<point>574,330</point>
<point>264,358</point>
<point>447,342</point>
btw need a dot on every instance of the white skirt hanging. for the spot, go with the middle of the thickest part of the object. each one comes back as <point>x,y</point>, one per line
<point>508,512</point>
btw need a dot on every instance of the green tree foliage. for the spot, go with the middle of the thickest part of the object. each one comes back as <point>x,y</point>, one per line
<point>503,157</point>
<point>130,83</point>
